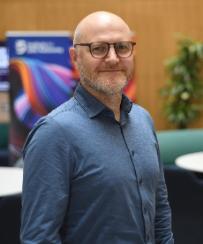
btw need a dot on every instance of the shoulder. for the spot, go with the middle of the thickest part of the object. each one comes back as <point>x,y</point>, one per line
<point>142,123</point>
<point>68,114</point>
<point>141,114</point>
<point>60,124</point>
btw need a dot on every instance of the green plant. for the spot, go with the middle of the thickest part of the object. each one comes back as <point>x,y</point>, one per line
<point>184,89</point>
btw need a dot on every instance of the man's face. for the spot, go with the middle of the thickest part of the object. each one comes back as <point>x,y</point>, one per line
<point>108,75</point>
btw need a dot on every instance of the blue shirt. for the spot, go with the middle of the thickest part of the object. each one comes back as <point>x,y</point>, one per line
<point>91,180</point>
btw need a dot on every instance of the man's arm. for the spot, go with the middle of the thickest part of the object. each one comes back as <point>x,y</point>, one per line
<point>45,184</point>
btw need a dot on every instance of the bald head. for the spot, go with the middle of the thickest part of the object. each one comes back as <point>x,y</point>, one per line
<point>104,54</point>
<point>97,22</point>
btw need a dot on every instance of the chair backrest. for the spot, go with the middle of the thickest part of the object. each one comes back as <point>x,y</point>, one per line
<point>10,212</point>
<point>4,157</point>
<point>174,143</point>
<point>3,135</point>
<point>185,196</point>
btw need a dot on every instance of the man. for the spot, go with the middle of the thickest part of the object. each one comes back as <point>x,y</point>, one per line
<point>92,173</point>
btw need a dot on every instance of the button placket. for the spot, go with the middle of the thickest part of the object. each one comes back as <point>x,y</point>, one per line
<point>145,210</point>
<point>140,181</point>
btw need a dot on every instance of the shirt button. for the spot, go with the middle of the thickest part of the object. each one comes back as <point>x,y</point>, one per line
<point>147,238</point>
<point>140,181</point>
<point>133,152</point>
<point>145,210</point>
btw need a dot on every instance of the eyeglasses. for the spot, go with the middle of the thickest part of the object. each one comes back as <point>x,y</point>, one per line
<point>101,49</point>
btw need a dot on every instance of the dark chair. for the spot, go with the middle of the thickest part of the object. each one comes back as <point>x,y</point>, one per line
<point>174,143</point>
<point>185,192</point>
<point>10,211</point>
<point>4,154</point>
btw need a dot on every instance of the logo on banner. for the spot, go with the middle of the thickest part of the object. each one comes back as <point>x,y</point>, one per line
<point>41,47</point>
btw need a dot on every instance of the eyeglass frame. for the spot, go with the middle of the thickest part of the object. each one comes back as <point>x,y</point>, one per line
<point>109,45</point>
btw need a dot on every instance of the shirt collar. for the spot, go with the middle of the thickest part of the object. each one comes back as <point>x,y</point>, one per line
<point>93,106</point>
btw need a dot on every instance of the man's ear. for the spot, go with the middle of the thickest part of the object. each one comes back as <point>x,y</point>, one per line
<point>73,56</point>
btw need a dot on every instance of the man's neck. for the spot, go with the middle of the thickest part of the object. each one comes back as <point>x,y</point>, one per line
<point>111,101</point>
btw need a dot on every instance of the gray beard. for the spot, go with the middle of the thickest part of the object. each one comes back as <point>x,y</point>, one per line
<point>96,86</point>
<point>102,86</point>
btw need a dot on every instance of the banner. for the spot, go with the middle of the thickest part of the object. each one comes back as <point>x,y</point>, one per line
<point>41,78</point>
<point>4,63</point>
<point>4,85</point>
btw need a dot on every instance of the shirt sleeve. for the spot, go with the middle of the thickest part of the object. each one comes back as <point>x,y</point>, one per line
<point>46,183</point>
<point>163,229</point>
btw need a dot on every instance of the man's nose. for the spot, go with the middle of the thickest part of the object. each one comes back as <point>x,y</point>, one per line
<point>112,56</point>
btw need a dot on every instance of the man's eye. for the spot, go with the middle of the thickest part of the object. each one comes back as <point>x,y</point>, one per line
<point>123,47</point>
<point>99,49</point>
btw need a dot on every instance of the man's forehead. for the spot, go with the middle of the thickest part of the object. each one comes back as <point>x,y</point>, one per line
<point>118,37</point>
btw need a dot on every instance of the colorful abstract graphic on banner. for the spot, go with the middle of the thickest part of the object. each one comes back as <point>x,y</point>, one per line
<point>41,78</point>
